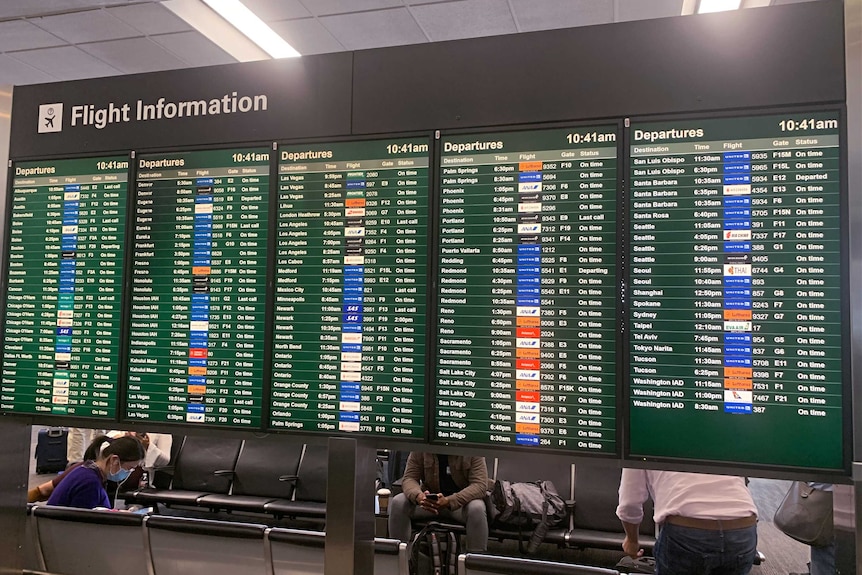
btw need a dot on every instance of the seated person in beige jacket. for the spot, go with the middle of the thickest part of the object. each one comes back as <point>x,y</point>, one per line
<point>451,487</point>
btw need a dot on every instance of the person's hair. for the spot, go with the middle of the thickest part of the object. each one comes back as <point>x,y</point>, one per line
<point>128,448</point>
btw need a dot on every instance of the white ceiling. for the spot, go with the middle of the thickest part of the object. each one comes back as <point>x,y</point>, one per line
<point>51,40</point>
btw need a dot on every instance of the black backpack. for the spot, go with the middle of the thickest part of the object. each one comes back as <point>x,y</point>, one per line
<point>527,506</point>
<point>434,551</point>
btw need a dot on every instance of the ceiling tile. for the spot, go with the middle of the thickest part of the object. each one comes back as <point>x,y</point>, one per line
<point>150,18</point>
<point>418,2</point>
<point>21,35</point>
<point>194,48</point>
<point>792,1</point>
<point>324,7</point>
<point>550,14</point>
<point>465,19</point>
<point>21,8</point>
<point>308,36</point>
<point>66,63</point>
<point>88,26</point>
<point>17,73</point>
<point>270,11</point>
<point>134,55</point>
<point>646,9</point>
<point>375,29</point>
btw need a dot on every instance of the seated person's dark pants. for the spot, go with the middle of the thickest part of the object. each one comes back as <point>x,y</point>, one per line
<point>474,516</point>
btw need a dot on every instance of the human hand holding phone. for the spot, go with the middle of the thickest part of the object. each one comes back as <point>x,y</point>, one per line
<point>428,502</point>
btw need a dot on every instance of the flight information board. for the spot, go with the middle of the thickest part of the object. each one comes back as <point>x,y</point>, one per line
<point>526,327</point>
<point>350,288</point>
<point>65,275</point>
<point>735,290</point>
<point>198,288</point>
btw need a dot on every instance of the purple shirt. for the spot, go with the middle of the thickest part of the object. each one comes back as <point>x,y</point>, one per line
<point>81,487</point>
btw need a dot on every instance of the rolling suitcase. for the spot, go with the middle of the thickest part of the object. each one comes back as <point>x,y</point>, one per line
<point>51,450</point>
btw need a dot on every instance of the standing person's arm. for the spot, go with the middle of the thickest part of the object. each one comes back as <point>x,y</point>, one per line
<point>633,493</point>
<point>158,450</point>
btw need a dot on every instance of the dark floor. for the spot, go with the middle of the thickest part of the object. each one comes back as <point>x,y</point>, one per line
<point>783,555</point>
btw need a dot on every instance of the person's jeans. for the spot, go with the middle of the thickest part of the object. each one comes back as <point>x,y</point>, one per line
<point>823,560</point>
<point>473,515</point>
<point>690,551</point>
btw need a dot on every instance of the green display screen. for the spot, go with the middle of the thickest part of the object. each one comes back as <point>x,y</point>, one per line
<point>65,275</point>
<point>198,288</point>
<point>734,284</point>
<point>350,288</point>
<point>526,326</point>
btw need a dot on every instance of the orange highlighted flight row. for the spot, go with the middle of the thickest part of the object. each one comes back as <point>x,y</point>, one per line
<point>527,384</point>
<point>738,373</point>
<point>529,166</point>
<point>737,383</point>
<point>737,314</point>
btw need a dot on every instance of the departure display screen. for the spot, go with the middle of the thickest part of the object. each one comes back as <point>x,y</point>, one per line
<point>526,326</point>
<point>61,337</point>
<point>350,288</point>
<point>735,290</point>
<point>198,288</point>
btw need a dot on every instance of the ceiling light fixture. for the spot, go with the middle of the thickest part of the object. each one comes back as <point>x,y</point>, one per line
<point>706,6</point>
<point>247,22</point>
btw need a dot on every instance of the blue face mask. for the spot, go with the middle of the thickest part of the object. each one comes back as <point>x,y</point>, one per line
<point>120,475</point>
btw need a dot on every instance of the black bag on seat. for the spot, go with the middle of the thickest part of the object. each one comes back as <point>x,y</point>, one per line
<point>434,551</point>
<point>532,505</point>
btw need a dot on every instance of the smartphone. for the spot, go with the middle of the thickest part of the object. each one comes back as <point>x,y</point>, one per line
<point>431,496</point>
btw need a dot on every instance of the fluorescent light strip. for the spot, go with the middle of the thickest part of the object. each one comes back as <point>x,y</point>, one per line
<point>706,6</point>
<point>247,22</point>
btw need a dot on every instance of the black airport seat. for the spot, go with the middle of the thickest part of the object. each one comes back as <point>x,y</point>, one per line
<point>184,546</point>
<point>595,521</point>
<point>298,552</point>
<point>309,495</point>
<point>76,541</point>
<point>476,564</point>
<point>522,467</point>
<point>204,466</point>
<point>29,552</point>
<point>261,463</point>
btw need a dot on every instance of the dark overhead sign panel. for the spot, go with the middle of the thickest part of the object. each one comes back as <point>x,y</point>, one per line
<point>255,101</point>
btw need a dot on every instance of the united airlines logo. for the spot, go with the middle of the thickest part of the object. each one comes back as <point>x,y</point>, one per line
<point>50,118</point>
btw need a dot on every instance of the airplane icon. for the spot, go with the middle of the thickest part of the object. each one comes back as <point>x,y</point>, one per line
<point>47,114</point>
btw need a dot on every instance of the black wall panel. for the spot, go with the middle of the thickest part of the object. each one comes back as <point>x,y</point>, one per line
<point>760,57</point>
<point>782,55</point>
<point>306,97</point>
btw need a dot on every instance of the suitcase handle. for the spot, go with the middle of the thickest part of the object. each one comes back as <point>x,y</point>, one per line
<point>55,433</point>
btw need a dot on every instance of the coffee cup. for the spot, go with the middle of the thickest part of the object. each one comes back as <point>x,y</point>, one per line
<point>383,500</point>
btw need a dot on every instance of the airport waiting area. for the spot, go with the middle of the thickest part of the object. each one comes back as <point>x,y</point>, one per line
<point>259,506</point>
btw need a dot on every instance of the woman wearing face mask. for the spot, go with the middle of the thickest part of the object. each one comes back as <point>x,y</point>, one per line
<point>105,459</point>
